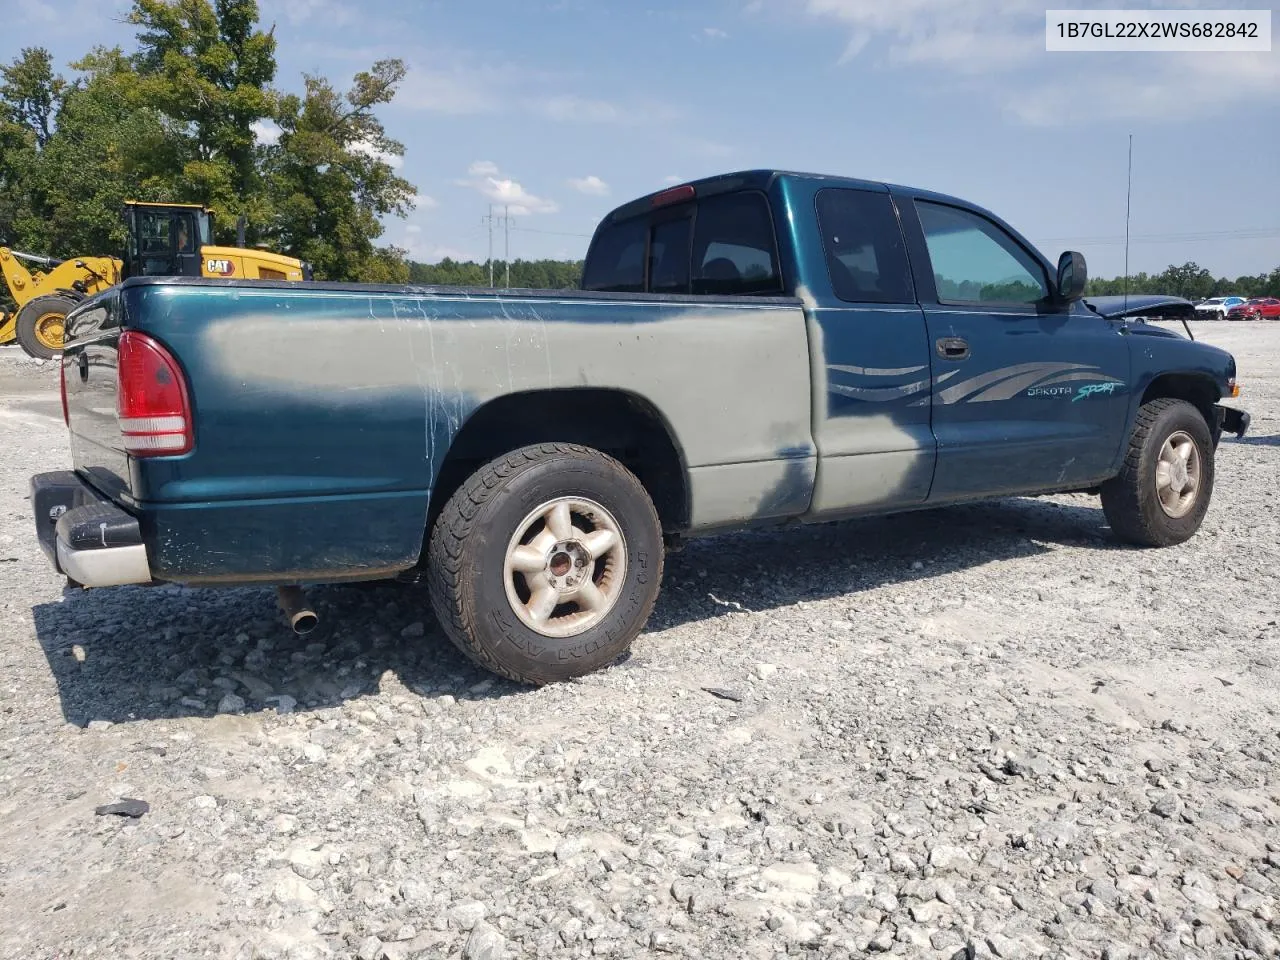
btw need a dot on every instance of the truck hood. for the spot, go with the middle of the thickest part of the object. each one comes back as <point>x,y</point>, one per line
<point>1147,305</point>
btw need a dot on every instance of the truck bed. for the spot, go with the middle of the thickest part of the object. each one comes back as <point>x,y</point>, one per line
<point>325,413</point>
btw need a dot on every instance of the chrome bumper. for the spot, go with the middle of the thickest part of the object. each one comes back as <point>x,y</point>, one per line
<point>86,537</point>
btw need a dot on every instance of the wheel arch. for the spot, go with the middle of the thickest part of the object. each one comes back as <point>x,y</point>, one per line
<point>620,423</point>
<point>1198,389</point>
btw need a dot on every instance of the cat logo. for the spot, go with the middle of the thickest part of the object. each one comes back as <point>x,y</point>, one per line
<point>219,268</point>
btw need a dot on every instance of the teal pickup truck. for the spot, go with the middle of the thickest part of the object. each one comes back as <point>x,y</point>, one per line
<point>754,348</point>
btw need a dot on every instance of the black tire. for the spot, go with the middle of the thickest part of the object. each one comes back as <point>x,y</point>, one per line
<point>1129,499</point>
<point>31,314</point>
<point>469,547</point>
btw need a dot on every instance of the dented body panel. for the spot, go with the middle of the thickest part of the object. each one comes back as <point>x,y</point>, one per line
<point>326,415</point>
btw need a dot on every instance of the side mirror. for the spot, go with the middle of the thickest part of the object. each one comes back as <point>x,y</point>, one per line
<point>1073,275</point>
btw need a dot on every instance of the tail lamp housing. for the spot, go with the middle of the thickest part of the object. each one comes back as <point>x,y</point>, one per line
<point>152,404</point>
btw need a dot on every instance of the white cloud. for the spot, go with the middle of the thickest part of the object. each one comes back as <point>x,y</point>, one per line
<point>369,150</point>
<point>420,201</point>
<point>580,109</point>
<point>592,186</point>
<point>673,178</point>
<point>714,33</point>
<point>265,131</point>
<point>959,37</point>
<point>568,108</point>
<point>486,179</point>
<point>456,91</point>
<point>953,32</point>
<point>296,12</point>
<point>1180,87</point>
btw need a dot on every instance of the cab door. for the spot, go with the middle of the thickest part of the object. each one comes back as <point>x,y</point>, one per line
<point>168,244</point>
<point>870,356</point>
<point>1030,394</point>
<point>186,244</point>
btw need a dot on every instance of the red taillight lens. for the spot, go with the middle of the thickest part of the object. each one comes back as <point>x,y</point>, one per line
<point>151,399</point>
<point>62,387</point>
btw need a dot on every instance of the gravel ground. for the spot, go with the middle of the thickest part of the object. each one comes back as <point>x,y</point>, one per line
<point>982,731</point>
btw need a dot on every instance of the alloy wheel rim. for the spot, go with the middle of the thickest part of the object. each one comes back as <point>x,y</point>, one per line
<point>1179,473</point>
<point>565,567</point>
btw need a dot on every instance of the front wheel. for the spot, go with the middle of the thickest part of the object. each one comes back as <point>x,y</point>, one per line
<point>40,325</point>
<point>546,564</point>
<point>1161,495</point>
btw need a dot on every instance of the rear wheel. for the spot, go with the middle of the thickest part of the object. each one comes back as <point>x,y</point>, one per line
<point>40,325</point>
<point>546,564</point>
<point>1161,495</point>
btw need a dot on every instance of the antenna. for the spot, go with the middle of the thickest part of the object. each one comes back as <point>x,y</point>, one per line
<point>1128,205</point>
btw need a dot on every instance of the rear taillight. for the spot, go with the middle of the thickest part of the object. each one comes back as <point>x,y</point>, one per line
<point>151,399</point>
<point>62,387</point>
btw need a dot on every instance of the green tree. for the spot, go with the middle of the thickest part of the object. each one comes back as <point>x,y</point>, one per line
<point>330,179</point>
<point>208,69</point>
<point>31,93</point>
<point>107,148</point>
<point>30,96</point>
<point>1189,280</point>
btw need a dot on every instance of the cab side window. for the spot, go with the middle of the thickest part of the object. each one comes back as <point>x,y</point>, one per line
<point>865,251</point>
<point>974,261</point>
<point>734,251</point>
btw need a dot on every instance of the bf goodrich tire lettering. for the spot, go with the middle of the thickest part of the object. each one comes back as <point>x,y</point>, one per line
<point>514,508</point>
<point>1161,495</point>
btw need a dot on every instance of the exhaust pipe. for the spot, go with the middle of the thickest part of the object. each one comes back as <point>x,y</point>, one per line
<point>301,617</point>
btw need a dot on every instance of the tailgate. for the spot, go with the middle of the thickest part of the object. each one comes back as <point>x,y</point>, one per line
<point>89,377</point>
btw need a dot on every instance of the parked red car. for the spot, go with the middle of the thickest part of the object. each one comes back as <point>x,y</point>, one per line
<point>1265,308</point>
<point>1249,309</point>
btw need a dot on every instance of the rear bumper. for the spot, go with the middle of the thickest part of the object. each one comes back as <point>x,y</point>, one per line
<point>85,536</point>
<point>1231,420</point>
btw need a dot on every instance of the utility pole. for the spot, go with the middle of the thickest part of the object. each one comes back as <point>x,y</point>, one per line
<point>489,220</point>
<point>505,220</point>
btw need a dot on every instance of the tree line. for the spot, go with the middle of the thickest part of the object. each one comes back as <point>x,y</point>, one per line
<point>527,274</point>
<point>1190,281</point>
<point>192,114</point>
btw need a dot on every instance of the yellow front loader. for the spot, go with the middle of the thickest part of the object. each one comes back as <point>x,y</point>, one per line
<point>164,240</point>
<point>45,297</point>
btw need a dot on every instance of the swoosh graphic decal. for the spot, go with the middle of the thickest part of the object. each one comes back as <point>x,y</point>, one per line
<point>880,394</point>
<point>1008,389</point>
<point>974,384</point>
<point>876,371</point>
<point>1073,377</point>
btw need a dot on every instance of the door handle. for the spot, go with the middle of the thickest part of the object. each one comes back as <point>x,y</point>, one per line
<point>953,348</point>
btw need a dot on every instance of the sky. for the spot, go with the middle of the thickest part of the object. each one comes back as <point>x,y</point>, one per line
<point>564,109</point>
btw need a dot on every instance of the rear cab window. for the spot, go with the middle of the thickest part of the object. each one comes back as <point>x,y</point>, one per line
<point>722,245</point>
